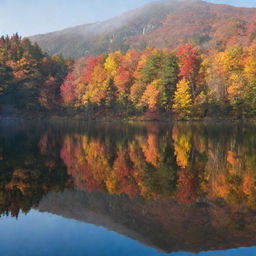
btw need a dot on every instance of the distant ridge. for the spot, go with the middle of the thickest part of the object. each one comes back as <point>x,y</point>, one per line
<point>163,24</point>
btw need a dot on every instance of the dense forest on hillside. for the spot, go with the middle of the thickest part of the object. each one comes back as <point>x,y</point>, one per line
<point>186,83</point>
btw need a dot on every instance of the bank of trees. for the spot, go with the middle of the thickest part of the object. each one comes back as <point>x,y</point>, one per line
<point>187,82</point>
<point>29,79</point>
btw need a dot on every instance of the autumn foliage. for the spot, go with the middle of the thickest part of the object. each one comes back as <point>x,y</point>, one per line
<point>186,83</point>
<point>29,79</point>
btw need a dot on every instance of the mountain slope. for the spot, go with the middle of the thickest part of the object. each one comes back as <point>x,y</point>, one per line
<point>162,24</point>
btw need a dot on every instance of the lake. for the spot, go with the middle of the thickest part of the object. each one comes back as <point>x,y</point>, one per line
<point>184,188</point>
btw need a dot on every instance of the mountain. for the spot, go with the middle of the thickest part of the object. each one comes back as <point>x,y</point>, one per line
<point>163,24</point>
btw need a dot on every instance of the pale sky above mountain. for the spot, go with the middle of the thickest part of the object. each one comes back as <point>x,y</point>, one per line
<point>29,17</point>
<point>243,3</point>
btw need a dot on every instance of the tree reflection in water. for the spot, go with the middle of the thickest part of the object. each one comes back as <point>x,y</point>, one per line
<point>181,186</point>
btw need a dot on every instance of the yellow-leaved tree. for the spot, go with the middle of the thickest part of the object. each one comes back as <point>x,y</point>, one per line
<point>112,62</point>
<point>183,99</point>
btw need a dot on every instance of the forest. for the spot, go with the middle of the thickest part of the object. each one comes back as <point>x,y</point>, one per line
<point>29,79</point>
<point>186,83</point>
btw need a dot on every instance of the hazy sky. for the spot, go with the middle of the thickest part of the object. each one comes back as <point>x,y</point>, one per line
<point>28,17</point>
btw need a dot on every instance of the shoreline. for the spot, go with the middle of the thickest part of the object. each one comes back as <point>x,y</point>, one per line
<point>122,120</point>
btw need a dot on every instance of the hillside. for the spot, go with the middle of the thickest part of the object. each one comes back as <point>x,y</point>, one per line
<point>162,24</point>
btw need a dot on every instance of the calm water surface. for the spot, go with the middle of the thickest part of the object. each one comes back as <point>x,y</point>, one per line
<point>120,189</point>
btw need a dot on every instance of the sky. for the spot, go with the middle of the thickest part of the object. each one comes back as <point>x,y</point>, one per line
<point>29,17</point>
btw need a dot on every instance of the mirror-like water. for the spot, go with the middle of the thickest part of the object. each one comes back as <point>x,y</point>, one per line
<point>122,189</point>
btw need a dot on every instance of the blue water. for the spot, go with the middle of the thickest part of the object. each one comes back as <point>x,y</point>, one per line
<point>46,234</point>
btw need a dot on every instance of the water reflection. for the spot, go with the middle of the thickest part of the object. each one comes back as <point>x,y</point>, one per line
<point>176,187</point>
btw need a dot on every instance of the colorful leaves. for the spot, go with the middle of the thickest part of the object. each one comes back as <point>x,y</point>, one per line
<point>151,96</point>
<point>32,79</point>
<point>140,79</point>
<point>182,99</point>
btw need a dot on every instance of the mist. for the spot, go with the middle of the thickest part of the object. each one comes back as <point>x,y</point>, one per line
<point>38,17</point>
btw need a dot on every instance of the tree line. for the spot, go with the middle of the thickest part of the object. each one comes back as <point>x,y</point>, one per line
<point>187,82</point>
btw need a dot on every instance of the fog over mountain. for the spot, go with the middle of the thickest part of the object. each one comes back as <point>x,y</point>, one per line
<point>163,24</point>
<point>43,16</point>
